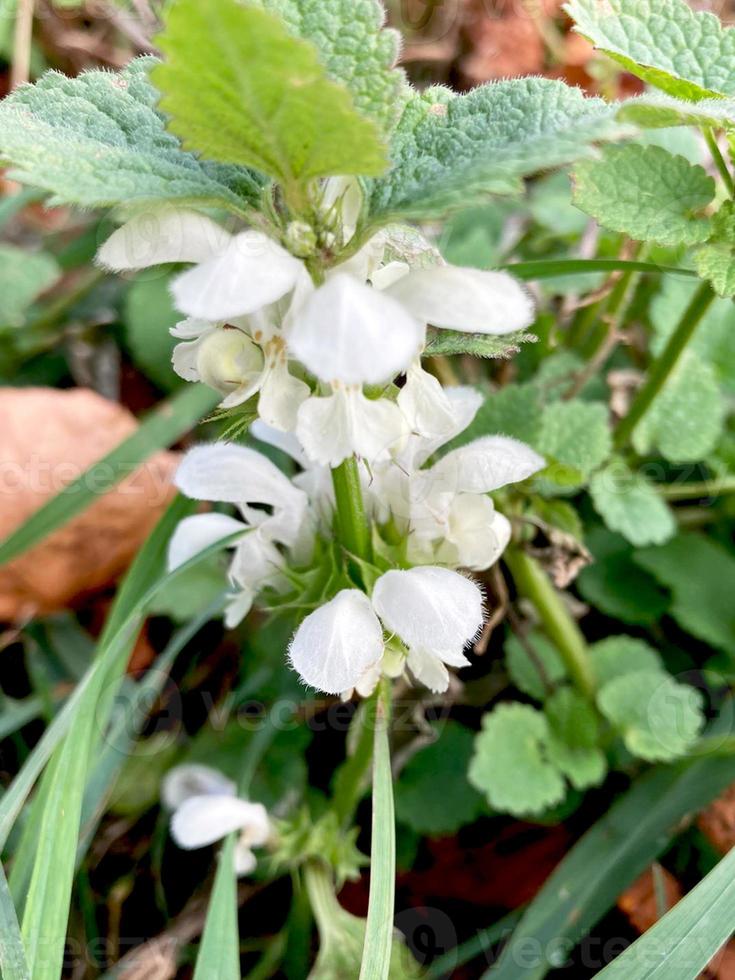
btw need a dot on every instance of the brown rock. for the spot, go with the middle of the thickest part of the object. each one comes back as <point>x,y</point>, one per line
<point>48,439</point>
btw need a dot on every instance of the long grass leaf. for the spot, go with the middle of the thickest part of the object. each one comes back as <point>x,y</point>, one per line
<point>379,929</point>
<point>607,859</point>
<point>13,962</point>
<point>683,942</point>
<point>219,952</point>
<point>161,428</point>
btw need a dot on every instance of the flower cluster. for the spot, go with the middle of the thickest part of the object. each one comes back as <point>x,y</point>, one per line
<point>332,353</point>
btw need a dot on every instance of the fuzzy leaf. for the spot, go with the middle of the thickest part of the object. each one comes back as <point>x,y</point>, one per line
<point>655,110</point>
<point>448,149</point>
<point>715,261</point>
<point>617,656</point>
<point>452,342</point>
<point>98,141</point>
<point>509,765</point>
<point>646,193</point>
<point>525,670</point>
<point>685,53</point>
<point>615,585</point>
<point>686,420</point>
<point>573,746</point>
<point>433,795</point>
<point>628,503</point>
<point>24,276</point>
<point>658,718</point>
<point>256,95</point>
<point>514,410</point>
<point>576,434</point>
<point>700,574</point>
<point>353,49</point>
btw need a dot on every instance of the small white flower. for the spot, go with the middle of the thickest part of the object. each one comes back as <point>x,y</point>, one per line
<point>206,809</point>
<point>162,235</point>
<point>434,611</point>
<point>242,476</point>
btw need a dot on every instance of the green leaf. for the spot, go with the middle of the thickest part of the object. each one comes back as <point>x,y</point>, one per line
<point>608,858</point>
<point>97,141</point>
<point>715,261</point>
<point>700,574</point>
<point>433,796</point>
<point>449,149</point>
<point>655,110</point>
<point>681,944</point>
<point>149,315</point>
<point>164,426</point>
<point>658,718</point>
<point>452,342</point>
<point>574,733</point>
<point>628,503</point>
<point>525,670</point>
<point>617,656</point>
<point>646,193</point>
<point>509,765</point>
<point>13,963</point>
<point>685,53</point>
<point>615,585</point>
<point>219,952</point>
<point>514,410</point>
<point>256,95</point>
<point>24,276</point>
<point>686,420</point>
<point>353,49</point>
<point>378,949</point>
<point>576,434</point>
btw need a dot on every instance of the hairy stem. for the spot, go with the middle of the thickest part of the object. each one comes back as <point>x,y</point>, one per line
<point>719,160</point>
<point>664,365</point>
<point>717,486</point>
<point>532,582</point>
<point>353,527</point>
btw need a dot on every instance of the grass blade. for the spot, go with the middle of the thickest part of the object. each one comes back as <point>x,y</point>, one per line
<point>13,963</point>
<point>379,929</point>
<point>681,944</point>
<point>161,428</point>
<point>219,952</point>
<point>608,858</point>
<point>551,268</point>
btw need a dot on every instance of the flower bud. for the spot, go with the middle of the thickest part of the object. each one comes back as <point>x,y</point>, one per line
<point>228,359</point>
<point>301,239</point>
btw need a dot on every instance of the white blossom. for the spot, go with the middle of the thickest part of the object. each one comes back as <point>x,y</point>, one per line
<point>206,809</point>
<point>434,611</point>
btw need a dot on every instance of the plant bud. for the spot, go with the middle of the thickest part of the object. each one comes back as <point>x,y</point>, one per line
<point>228,359</point>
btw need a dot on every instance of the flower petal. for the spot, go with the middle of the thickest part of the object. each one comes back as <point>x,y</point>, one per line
<point>349,332</point>
<point>487,464</point>
<point>245,861</point>
<point>197,533</point>
<point>477,534</point>
<point>183,782</point>
<point>250,273</point>
<point>334,428</point>
<point>202,820</point>
<point>281,395</point>
<point>430,608</point>
<point>236,475</point>
<point>337,643</point>
<point>285,441</point>
<point>470,300</point>
<point>428,670</point>
<point>423,401</point>
<point>229,361</point>
<point>162,235</point>
<point>464,403</point>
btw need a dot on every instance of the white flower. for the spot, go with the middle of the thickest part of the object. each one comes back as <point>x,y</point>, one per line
<point>242,476</point>
<point>434,611</point>
<point>206,809</point>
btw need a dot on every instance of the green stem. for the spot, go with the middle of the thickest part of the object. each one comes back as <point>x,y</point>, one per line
<point>324,905</point>
<point>716,487</point>
<point>719,161</point>
<point>665,364</point>
<point>352,776</point>
<point>353,527</point>
<point>532,582</point>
